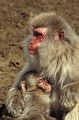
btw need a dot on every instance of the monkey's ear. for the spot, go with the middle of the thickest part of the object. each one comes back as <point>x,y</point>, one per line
<point>59,35</point>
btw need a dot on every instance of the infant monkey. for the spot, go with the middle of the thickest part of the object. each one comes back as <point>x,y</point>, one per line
<point>35,82</point>
<point>33,99</point>
<point>36,98</point>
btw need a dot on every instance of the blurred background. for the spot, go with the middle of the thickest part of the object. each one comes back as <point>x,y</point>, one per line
<point>14,16</point>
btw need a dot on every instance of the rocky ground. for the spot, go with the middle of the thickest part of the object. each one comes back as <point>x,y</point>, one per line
<point>14,15</point>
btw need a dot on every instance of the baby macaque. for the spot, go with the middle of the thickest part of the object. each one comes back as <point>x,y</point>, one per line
<point>33,82</point>
<point>35,96</point>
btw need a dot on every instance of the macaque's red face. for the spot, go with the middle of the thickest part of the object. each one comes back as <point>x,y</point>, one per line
<point>39,35</point>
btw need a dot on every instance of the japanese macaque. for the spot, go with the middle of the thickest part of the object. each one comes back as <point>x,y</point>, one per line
<point>36,98</point>
<point>52,50</point>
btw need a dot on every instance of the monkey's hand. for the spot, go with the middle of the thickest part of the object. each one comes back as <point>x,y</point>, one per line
<point>23,86</point>
<point>14,102</point>
<point>44,85</point>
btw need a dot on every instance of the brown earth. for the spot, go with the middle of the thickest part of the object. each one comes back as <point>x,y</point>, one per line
<point>14,15</point>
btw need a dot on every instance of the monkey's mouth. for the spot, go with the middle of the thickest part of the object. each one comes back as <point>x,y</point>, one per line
<point>32,52</point>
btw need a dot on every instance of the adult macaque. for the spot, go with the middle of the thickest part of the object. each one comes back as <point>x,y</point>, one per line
<point>36,99</point>
<point>53,52</point>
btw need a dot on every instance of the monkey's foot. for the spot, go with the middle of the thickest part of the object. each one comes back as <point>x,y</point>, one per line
<point>44,85</point>
<point>14,103</point>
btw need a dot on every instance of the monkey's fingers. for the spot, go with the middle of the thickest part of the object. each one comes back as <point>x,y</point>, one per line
<point>40,79</point>
<point>23,87</point>
<point>47,87</point>
<point>44,85</point>
<point>40,82</point>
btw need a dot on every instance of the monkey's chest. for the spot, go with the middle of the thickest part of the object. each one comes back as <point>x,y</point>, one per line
<point>43,72</point>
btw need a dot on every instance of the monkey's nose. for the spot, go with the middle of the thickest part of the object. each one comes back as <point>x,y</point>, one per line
<point>30,46</point>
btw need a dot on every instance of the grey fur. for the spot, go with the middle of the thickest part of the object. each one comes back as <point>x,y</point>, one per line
<point>57,60</point>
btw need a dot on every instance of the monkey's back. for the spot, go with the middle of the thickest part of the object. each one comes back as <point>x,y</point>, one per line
<point>36,102</point>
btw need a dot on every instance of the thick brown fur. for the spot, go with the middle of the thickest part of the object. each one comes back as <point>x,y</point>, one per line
<point>58,60</point>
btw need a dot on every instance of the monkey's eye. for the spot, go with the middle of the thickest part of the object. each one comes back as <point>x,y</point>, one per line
<point>37,34</point>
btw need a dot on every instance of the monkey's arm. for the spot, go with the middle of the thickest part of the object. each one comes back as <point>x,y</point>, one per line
<point>74,114</point>
<point>35,116</point>
<point>27,68</point>
<point>14,94</point>
<point>70,101</point>
<point>49,118</point>
<point>14,103</point>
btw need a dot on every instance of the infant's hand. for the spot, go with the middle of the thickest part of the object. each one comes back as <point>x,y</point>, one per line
<point>44,85</point>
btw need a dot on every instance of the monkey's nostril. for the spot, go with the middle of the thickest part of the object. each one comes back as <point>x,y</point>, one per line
<point>30,43</point>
